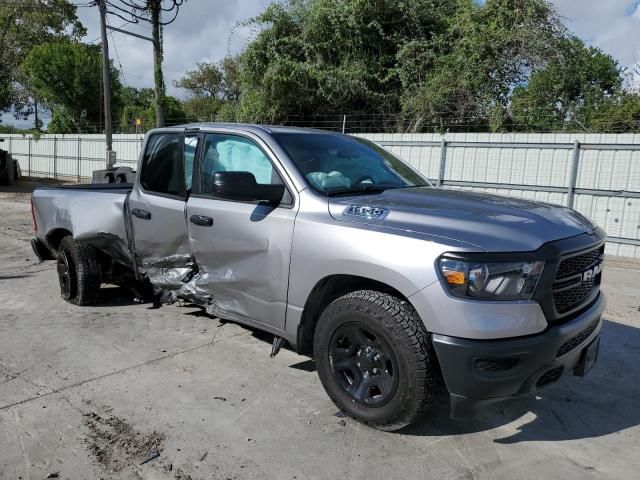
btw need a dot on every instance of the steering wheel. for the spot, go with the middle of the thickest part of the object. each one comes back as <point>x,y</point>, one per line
<point>363,178</point>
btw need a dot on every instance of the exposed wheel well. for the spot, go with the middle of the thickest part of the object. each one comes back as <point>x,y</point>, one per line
<point>55,237</point>
<point>326,291</point>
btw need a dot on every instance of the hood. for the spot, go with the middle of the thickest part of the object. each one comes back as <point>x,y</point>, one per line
<point>491,222</point>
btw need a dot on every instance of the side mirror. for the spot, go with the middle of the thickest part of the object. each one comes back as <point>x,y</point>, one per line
<point>242,186</point>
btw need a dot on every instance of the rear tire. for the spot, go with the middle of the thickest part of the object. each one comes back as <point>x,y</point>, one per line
<point>374,359</point>
<point>78,272</point>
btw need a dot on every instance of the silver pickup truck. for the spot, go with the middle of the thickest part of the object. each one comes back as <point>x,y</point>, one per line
<point>334,245</point>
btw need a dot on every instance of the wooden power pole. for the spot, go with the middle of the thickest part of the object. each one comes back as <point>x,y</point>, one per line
<point>106,83</point>
<point>156,32</point>
<point>150,11</point>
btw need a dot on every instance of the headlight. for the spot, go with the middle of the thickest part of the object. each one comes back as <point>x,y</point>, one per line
<point>468,278</point>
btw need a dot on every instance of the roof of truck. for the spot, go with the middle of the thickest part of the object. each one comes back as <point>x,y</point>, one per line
<point>254,127</point>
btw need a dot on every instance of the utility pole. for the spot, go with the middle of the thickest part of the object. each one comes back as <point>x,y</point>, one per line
<point>106,84</point>
<point>156,8</point>
<point>150,11</point>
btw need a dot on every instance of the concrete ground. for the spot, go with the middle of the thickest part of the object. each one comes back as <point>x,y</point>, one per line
<point>92,392</point>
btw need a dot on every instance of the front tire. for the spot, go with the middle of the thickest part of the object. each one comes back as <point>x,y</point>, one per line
<point>78,272</point>
<point>374,360</point>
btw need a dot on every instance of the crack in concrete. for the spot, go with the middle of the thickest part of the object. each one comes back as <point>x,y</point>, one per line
<point>17,374</point>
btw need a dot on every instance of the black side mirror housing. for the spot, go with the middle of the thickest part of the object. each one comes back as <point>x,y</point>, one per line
<point>242,186</point>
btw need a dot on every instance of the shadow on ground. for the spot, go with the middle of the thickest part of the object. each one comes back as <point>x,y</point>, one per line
<point>606,401</point>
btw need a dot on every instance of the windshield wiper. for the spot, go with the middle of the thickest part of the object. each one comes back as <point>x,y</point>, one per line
<point>359,190</point>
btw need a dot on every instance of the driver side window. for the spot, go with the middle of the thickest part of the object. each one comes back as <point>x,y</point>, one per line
<point>230,153</point>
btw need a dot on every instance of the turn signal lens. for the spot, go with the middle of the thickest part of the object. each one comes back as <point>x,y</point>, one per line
<point>455,278</point>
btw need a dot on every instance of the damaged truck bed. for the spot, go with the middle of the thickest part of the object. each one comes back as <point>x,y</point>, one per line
<point>344,251</point>
<point>92,213</point>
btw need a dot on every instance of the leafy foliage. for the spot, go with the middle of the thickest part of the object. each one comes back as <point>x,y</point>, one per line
<point>424,65</point>
<point>210,86</point>
<point>573,90</point>
<point>66,77</point>
<point>333,56</point>
<point>140,103</point>
<point>25,24</point>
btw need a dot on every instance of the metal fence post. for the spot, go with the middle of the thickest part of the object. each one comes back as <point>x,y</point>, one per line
<point>443,162</point>
<point>29,157</point>
<point>573,179</point>
<point>344,123</point>
<point>55,157</point>
<point>79,157</point>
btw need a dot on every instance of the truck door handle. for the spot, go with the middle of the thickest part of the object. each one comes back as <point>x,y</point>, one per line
<point>201,220</point>
<point>143,214</point>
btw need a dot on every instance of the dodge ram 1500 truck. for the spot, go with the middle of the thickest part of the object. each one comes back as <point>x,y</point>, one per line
<point>339,248</point>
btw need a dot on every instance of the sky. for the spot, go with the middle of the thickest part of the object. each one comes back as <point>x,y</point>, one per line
<point>207,30</point>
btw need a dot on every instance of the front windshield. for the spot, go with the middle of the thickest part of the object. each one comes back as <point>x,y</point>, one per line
<point>334,164</point>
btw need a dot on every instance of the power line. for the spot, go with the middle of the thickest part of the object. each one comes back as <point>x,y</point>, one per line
<point>115,48</point>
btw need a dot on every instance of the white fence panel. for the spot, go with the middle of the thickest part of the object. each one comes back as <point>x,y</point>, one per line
<point>70,157</point>
<point>606,187</point>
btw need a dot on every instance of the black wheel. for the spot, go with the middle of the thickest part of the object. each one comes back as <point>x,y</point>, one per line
<point>78,272</point>
<point>374,359</point>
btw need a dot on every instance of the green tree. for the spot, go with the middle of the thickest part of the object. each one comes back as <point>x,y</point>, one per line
<point>66,77</point>
<point>140,104</point>
<point>487,51</point>
<point>333,56</point>
<point>210,86</point>
<point>427,65</point>
<point>25,24</point>
<point>571,90</point>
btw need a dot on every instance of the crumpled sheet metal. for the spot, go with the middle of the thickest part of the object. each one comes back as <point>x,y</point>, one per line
<point>177,277</point>
<point>111,244</point>
<point>170,272</point>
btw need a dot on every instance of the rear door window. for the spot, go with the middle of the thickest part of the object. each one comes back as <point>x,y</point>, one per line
<point>163,169</point>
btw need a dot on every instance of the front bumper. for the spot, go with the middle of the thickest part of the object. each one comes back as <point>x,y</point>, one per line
<point>479,372</point>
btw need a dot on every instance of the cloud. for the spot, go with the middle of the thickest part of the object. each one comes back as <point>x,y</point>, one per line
<point>611,25</point>
<point>205,30</point>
